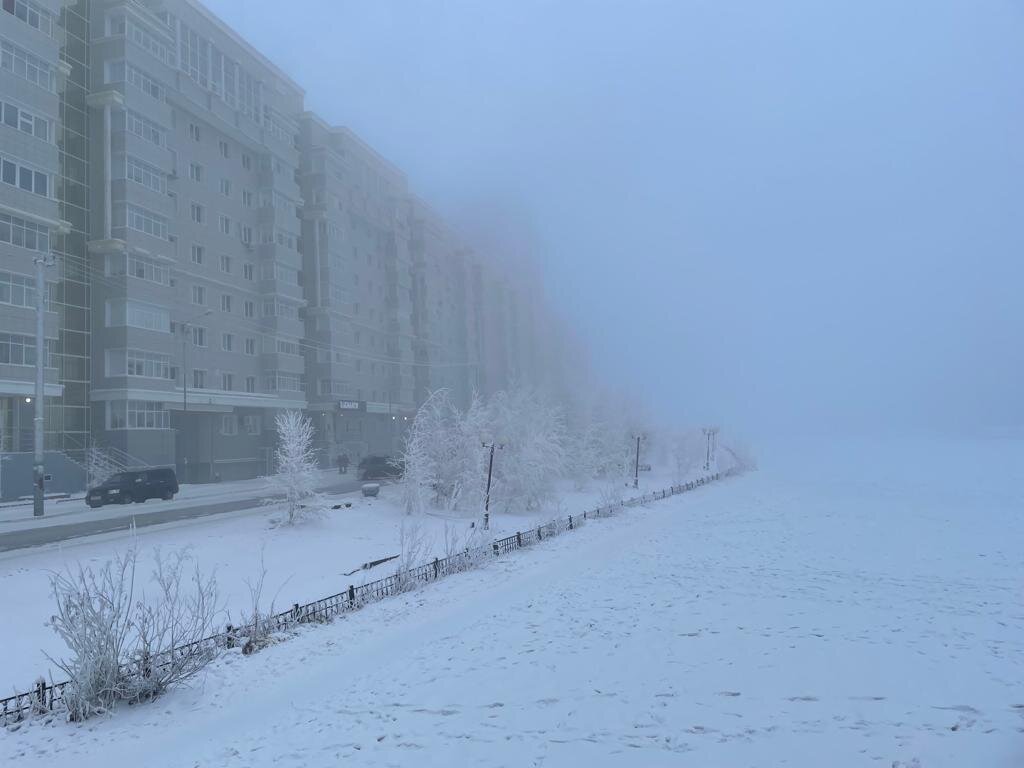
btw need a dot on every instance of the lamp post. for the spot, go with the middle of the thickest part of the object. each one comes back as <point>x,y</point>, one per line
<point>636,465</point>
<point>711,436</point>
<point>38,470</point>
<point>185,325</point>
<point>490,471</point>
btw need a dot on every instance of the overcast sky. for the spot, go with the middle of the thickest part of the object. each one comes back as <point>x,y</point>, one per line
<point>763,213</point>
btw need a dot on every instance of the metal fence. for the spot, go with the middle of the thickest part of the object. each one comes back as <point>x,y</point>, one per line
<point>48,697</point>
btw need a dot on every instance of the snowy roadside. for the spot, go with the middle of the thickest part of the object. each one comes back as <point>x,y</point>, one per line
<point>304,562</point>
<point>797,615</point>
<point>18,516</point>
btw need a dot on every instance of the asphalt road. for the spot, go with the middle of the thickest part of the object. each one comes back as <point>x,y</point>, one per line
<point>34,537</point>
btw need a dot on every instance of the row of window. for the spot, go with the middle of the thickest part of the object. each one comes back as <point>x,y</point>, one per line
<point>137,414</point>
<point>18,290</point>
<point>32,14</point>
<point>24,234</point>
<point>25,121</point>
<point>16,349</point>
<point>16,59</point>
<point>136,314</point>
<point>23,177</point>
<point>122,72</point>
<point>145,174</point>
<point>145,414</point>
<point>121,25</point>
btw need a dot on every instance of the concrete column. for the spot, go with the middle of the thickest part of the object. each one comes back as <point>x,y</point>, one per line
<point>108,170</point>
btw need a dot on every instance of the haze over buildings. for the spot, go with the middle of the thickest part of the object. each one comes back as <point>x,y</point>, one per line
<point>222,253</point>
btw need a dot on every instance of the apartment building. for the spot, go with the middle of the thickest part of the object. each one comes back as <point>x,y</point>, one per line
<point>197,294</point>
<point>44,70</point>
<point>441,305</point>
<point>218,255</point>
<point>358,322</point>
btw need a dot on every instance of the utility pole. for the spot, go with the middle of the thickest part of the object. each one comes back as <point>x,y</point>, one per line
<point>487,497</point>
<point>38,468</point>
<point>636,466</point>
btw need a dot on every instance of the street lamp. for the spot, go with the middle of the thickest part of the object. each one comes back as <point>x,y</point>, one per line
<point>490,470</point>
<point>636,465</point>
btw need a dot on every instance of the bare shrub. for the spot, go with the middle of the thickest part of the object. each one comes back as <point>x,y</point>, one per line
<point>128,647</point>
<point>257,624</point>
<point>414,548</point>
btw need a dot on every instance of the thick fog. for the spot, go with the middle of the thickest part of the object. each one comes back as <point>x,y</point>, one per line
<point>785,214</point>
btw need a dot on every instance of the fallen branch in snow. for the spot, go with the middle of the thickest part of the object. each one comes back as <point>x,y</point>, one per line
<point>372,564</point>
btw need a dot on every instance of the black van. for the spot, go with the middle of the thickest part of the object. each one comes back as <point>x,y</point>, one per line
<point>135,485</point>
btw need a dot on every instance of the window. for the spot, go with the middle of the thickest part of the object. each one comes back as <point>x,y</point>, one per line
<point>198,336</point>
<point>25,121</point>
<point>193,131</point>
<point>145,174</point>
<point>145,221</point>
<point>246,162</point>
<point>225,225</point>
<point>278,381</point>
<point>15,59</point>
<point>138,267</point>
<point>137,414</point>
<point>224,150</point>
<point>251,423</point>
<point>24,234</point>
<point>139,363</point>
<point>249,308</point>
<point>247,235</point>
<point>22,176</point>
<point>225,264</point>
<point>250,386</point>
<point>198,253</point>
<point>228,422</point>
<point>225,187</point>
<point>146,129</point>
<point>198,213</point>
<point>225,302</point>
<point>198,295</point>
<point>247,198</point>
<point>227,381</point>
<point>32,14</point>
<point>195,171</point>
<point>247,271</point>
<point>144,82</point>
<point>18,290</point>
<point>199,379</point>
<point>21,350</point>
<point>227,342</point>
<point>136,314</point>
<point>250,346</point>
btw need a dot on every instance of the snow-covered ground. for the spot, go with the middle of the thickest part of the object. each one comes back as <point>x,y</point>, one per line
<point>303,562</point>
<point>849,604</point>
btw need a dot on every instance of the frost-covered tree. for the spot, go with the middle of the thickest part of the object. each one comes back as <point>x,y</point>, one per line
<point>532,430</point>
<point>441,455</point>
<point>296,463</point>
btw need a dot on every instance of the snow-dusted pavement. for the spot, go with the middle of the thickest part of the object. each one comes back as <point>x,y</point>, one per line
<point>832,609</point>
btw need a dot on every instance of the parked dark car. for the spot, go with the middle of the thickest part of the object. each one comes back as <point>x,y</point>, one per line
<point>379,468</point>
<point>134,485</point>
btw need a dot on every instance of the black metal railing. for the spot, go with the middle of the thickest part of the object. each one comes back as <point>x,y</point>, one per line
<point>48,697</point>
